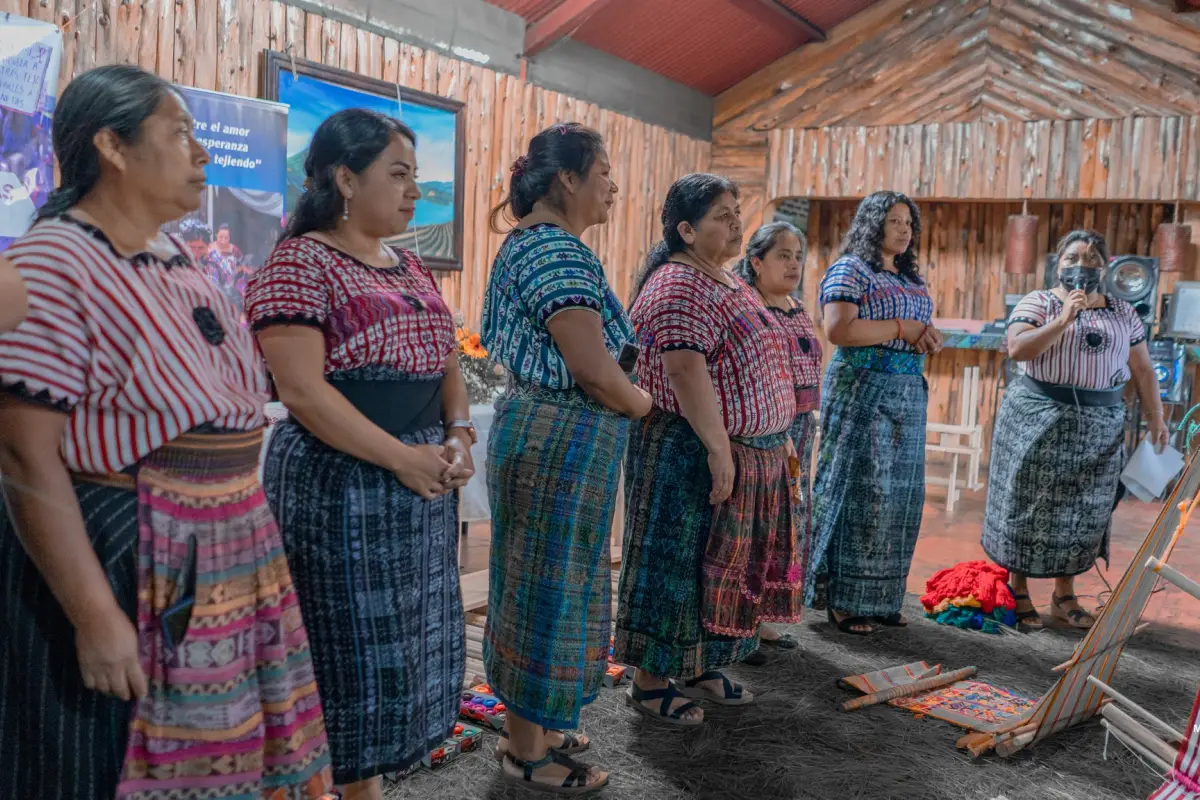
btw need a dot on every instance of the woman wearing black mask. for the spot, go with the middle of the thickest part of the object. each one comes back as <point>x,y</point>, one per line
<point>1058,447</point>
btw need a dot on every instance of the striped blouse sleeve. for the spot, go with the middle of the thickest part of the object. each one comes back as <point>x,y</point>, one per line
<point>46,358</point>
<point>557,275</point>
<point>1033,309</point>
<point>1137,328</point>
<point>292,288</point>
<point>845,282</point>
<point>676,313</point>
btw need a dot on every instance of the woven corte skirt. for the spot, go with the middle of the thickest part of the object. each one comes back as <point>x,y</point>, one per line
<point>870,488</point>
<point>376,568</point>
<point>232,709</point>
<point>667,523</point>
<point>1052,482</point>
<point>553,471</point>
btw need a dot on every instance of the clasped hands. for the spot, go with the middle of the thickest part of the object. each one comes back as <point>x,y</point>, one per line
<point>926,339</point>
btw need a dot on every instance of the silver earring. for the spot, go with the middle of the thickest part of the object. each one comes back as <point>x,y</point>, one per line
<point>345,210</point>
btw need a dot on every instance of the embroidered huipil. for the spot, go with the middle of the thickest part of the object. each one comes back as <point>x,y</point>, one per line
<point>1093,352</point>
<point>805,350</point>
<point>135,350</point>
<point>392,317</point>
<point>746,351</point>
<point>879,295</point>
<point>539,272</point>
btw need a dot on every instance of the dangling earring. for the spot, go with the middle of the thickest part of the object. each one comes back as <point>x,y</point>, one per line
<point>345,210</point>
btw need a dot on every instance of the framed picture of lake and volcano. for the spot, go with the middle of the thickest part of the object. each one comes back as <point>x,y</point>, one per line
<point>314,91</point>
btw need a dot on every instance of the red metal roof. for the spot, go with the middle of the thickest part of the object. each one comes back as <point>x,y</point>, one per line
<point>707,44</point>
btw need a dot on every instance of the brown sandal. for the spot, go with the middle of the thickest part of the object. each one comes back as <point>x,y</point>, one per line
<point>1028,621</point>
<point>571,745</point>
<point>1073,617</point>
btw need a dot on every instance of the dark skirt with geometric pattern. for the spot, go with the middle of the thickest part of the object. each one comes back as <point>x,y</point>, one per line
<point>376,568</point>
<point>1053,478</point>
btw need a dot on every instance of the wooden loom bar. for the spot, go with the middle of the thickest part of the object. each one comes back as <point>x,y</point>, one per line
<point>1133,744</point>
<point>1175,735</point>
<point>1128,725</point>
<point>909,689</point>
<point>1066,665</point>
<point>1174,576</point>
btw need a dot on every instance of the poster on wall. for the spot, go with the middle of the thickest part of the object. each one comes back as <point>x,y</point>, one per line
<point>30,54</point>
<point>241,216</point>
<point>314,91</point>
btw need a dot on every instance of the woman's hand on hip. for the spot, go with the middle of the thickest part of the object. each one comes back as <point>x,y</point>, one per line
<point>462,466</point>
<point>720,464</point>
<point>421,469</point>
<point>107,648</point>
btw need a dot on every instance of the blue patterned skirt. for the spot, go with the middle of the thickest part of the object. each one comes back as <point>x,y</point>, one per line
<point>667,523</point>
<point>554,460</point>
<point>869,491</point>
<point>376,569</point>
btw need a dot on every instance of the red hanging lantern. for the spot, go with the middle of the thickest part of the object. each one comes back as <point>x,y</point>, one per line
<point>1020,243</point>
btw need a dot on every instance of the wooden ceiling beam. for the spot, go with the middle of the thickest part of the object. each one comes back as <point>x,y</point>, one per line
<point>559,23</point>
<point>781,13</point>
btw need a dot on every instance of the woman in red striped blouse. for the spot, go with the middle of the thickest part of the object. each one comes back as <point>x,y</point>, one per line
<point>152,644</point>
<point>13,303</point>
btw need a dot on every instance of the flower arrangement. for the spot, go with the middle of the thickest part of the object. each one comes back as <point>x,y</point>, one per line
<point>484,379</point>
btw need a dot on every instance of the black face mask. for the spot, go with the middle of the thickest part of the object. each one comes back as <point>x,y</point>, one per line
<point>1085,278</point>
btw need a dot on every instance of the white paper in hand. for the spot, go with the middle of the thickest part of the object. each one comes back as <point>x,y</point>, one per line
<point>1147,474</point>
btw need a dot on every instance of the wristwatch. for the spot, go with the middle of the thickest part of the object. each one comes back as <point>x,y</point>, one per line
<point>466,425</point>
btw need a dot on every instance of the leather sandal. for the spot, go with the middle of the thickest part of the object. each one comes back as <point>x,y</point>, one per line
<point>574,784</point>
<point>784,642</point>
<point>1028,621</point>
<point>635,696</point>
<point>1074,617</point>
<point>571,745</point>
<point>848,624</point>
<point>732,694</point>
<point>894,620</point>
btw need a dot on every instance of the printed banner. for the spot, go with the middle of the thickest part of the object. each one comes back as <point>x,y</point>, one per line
<point>30,54</point>
<point>242,214</point>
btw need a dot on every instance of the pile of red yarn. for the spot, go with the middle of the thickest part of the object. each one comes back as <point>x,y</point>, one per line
<point>974,594</point>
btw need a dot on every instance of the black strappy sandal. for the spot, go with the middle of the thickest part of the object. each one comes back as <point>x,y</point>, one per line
<point>1028,621</point>
<point>572,744</point>
<point>895,620</point>
<point>574,784</point>
<point>636,695</point>
<point>784,642</point>
<point>1074,617</point>
<point>733,694</point>
<point>849,624</point>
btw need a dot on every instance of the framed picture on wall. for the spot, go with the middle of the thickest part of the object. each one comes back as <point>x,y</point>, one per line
<point>314,91</point>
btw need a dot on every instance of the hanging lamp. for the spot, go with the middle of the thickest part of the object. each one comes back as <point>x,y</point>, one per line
<point>1020,243</point>
<point>1172,243</point>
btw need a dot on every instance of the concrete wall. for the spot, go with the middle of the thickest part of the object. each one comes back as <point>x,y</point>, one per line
<point>478,31</point>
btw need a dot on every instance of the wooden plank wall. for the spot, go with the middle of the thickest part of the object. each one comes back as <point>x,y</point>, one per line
<point>1134,158</point>
<point>217,44</point>
<point>962,258</point>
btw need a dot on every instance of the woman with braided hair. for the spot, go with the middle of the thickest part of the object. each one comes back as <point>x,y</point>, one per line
<point>706,476</point>
<point>554,456</point>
